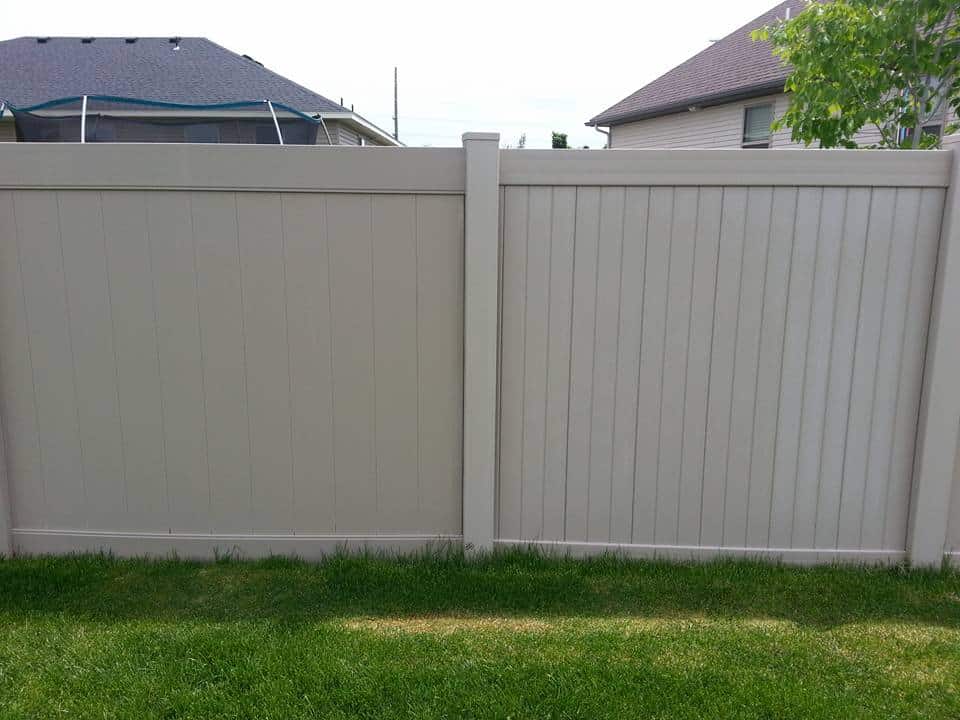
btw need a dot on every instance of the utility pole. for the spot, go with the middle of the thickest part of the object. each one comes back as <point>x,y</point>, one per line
<point>396,130</point>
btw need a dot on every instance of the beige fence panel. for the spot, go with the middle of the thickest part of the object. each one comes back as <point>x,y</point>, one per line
<point>679,354</point>
<point>195,370</point>
<point>690,369</point>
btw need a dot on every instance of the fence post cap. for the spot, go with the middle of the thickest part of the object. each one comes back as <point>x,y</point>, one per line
<point>481,136</point>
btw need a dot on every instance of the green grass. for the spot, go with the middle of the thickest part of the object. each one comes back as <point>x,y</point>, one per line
<point>515,635</point>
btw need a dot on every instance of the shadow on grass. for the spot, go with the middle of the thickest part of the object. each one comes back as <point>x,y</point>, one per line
<point>509,584</point>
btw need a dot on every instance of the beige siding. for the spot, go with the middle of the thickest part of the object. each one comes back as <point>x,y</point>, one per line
<point>714,127</point>
<point>343,134</point>
<point>715,368</point>
<point>208,369</point>
<point>347,135</point>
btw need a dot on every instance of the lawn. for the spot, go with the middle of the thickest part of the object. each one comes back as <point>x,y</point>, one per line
<point>511,636</point>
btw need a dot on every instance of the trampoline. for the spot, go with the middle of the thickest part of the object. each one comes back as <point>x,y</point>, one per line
<point>106,118</point>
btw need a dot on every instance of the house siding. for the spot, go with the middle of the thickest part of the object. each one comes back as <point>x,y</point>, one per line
<point>343,134</point>
<point>715,127</point>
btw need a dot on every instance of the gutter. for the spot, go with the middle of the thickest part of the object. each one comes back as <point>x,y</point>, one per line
<point>605,133</point>
<point>349,117</point>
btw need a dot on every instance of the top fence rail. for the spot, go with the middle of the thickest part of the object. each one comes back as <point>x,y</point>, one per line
<point>251,168</point>
<point>822,168</point>
<point>441,170</point>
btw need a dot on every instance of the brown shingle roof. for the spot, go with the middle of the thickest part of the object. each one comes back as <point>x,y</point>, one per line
<point>735,67</point>
<point>35,70</point>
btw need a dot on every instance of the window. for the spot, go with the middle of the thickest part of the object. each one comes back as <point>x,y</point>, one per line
<point>906,134</point>
<point>756,126</point>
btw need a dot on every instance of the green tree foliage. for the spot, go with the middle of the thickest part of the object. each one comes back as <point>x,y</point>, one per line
<point>892,65</point>
<point>560,141</point>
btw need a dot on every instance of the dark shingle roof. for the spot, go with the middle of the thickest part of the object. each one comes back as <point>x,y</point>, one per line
<point>731,68</point>
<point>200,72</point>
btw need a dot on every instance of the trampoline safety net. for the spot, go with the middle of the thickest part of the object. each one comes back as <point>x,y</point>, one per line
<point>110,119</point>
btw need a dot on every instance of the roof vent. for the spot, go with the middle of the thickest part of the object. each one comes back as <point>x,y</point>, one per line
<point>175,41</point>
<point>129,41</point>
<point>253,60</point>
<point>42,40</point>
<point>86,41</point>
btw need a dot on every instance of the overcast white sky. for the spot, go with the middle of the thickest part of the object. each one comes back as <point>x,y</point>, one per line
<point>527,66</point>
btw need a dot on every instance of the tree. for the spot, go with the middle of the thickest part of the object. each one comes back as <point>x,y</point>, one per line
<point>892,65</point>
<point>560,141</point>
<point>522,142</point>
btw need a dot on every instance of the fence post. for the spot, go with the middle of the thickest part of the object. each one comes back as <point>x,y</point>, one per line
<point>481,287</point>
<point>6,502</point>
<point>940,405</point>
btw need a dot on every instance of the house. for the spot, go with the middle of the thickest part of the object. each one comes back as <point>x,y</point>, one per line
<point>170,82</point>
<point>725,96</point>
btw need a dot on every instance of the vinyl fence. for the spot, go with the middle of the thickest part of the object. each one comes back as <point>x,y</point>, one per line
<point>217,348</point>
<point>676,354</point>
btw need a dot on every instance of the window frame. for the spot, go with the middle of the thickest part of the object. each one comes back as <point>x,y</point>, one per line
<point>756,144</point>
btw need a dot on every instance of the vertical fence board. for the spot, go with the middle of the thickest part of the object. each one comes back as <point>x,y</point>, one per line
<point>181,367</point>
<point>351,273</point>
<point>222,334</point>
<point>953,521</point>
<point>706,254</point>
<point>41,264</point>
<point>562,223</point>
<point>925,232</point>
<point>515,227</point>
<point>396,371</point>
<point>746,364</point>
<point>536,334</point>
<point>138,370</point>
<point>894,309</point>
<point>17,398</point>
<point>677,334</point>
<point>440,349</point>
<point>770,364</point>
<point>610,268</point>
<point>586,247</point>
<point>267,357</point>
<point>650,378</point>
<point>94,356</point>
<point>719,401</point>
<point>819,342</point>
<point>864,494</point>
<point>636,211</point>
<point>790,413</point>
<point>846,312</point>
<point>307,270</point>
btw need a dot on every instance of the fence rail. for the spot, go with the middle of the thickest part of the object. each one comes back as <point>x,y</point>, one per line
<point>679,354</point>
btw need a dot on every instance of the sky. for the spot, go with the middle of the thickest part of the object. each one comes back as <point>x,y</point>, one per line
<point>522,67</point>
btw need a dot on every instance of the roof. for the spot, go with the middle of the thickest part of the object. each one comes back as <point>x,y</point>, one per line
<point>35,70</point>
<point>733,68</point>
